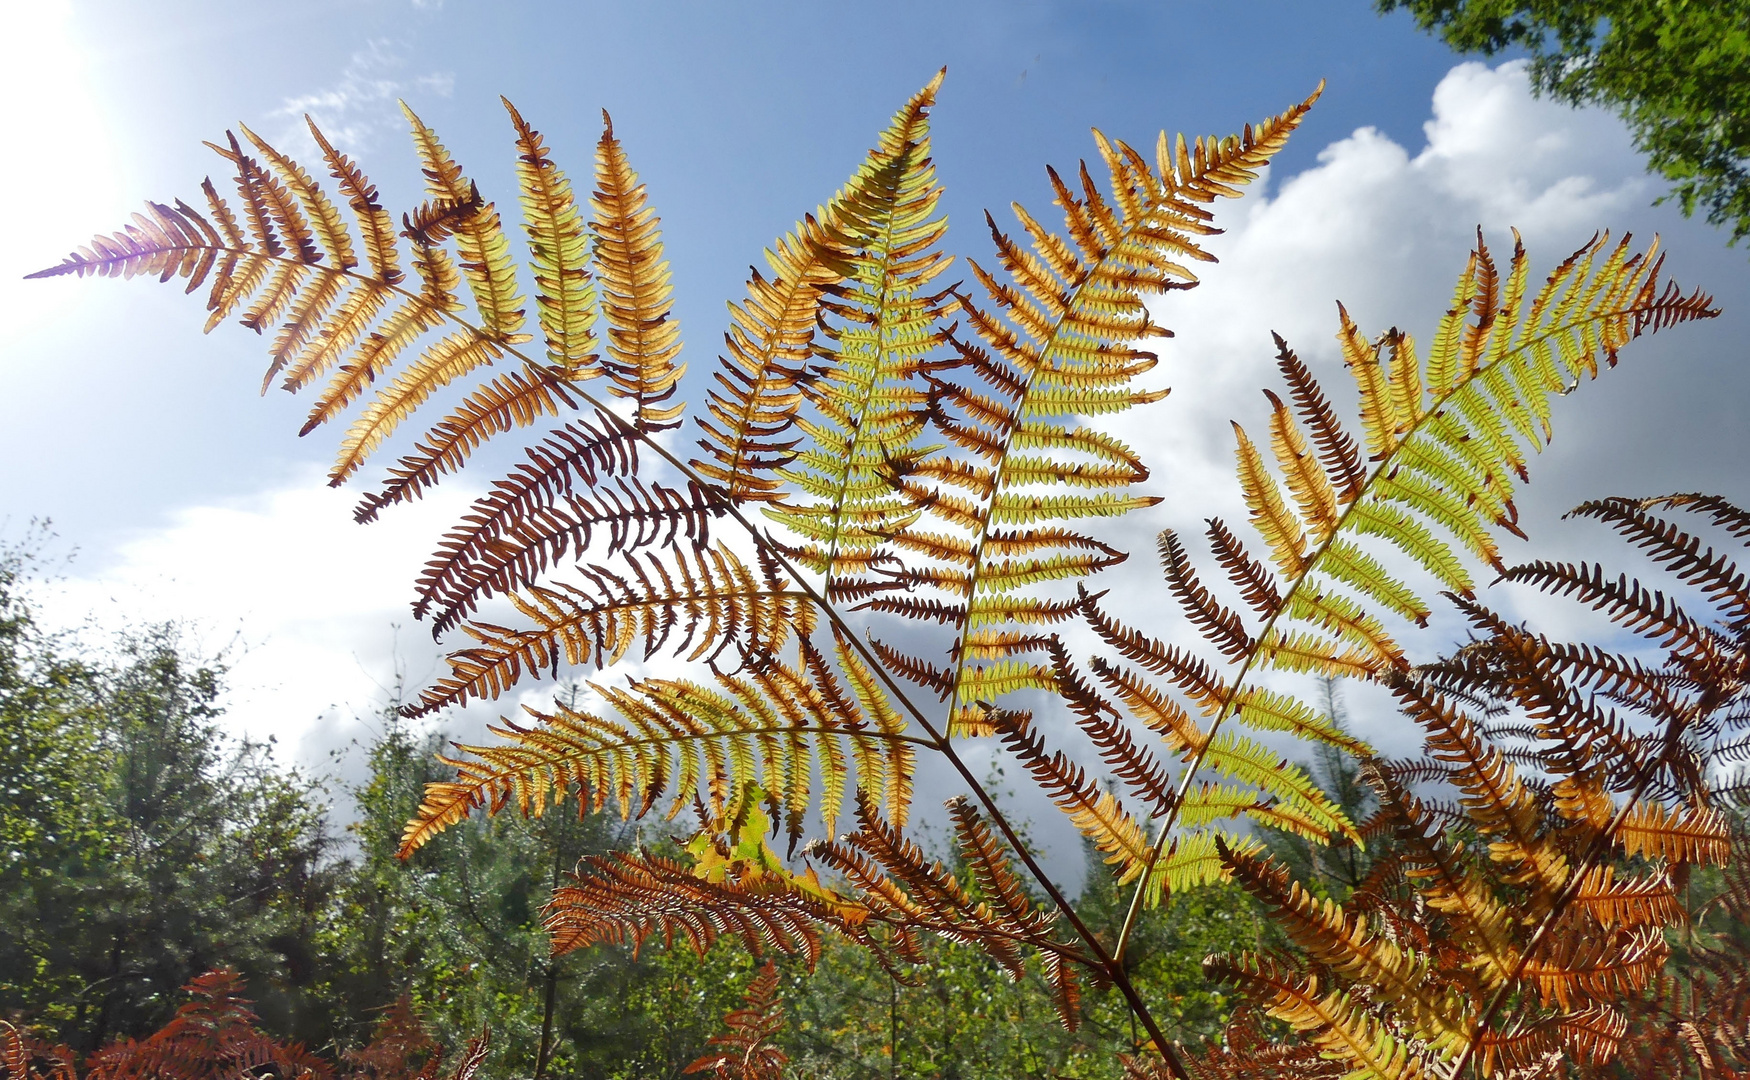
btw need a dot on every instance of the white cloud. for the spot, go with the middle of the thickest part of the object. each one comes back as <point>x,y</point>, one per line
<point>361,103</point>
<point>64,170</point>
<point>304,603</point>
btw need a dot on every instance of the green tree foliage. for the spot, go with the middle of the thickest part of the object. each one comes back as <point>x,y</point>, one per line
<point>141,848</point>
<point>1677,70</point>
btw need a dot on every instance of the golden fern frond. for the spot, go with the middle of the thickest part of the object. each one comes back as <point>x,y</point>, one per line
<point>1000,505</point>
<point>374,223</point>
<point>1694,834</point>
<point>643,340</point>
<point>480,240</point>
<point>777,729</point>
<point>1583,968</point>
<point>867,403</point>
<point>1332,1021</point>
<point>1448,434</point>
<point>743,1051</point>
<point>1342,942</point>
<point>716,602</point>
<point>770,338</point>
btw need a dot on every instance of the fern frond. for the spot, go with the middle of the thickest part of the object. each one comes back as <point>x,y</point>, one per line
<point>637,296</point>
<point>777,728</point>
<point>627,898</point>
<point>565,297</point>
<point>1332,1021</point>
<point>480,239</point>
<point>1343,943</point>
<point>1059,342</point>
<point>716,601</point>
<point>374,223</point>
<point>744,1051</point>
<point>770,338</point>
<point>1584,968</point>
<point>502,546</point>
<point>1448,435</point>
<point>1694,835</point>
<point>515,399</point>
<point>867,404</point>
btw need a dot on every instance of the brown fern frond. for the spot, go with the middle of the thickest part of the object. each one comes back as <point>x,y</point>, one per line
<point>1097,814</point>
<point>1337,450</point>
<point>1643,611</point>
<point>1333,1022</point>
<point>479,560</point>
<point>1597,967</point>
<point>400,1048</point>
<point>744,1051</point>
<point>25,1057</point>
<point>992,869</point>
<point>1734,519</point>
<point>1224,628</point>
<point>1254,580</point>
<point>213,1035</point>
<point>1680,553</point>
<point>643,340</point>
<point>892,878</point>
<point>1692,835</point>
<point>1137,768</point>
<point>439,365</point>
<point>515,399</point>
<point>625,898</point>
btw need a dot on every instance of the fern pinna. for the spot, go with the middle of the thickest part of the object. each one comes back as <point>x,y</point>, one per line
<point>880,452</point>
<point>1521,927</point>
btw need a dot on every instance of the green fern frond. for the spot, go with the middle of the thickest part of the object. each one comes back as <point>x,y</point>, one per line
<point>1449,435</point>
<point>867,400</point>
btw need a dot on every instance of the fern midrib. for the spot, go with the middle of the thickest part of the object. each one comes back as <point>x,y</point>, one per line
<point>1167,821</point>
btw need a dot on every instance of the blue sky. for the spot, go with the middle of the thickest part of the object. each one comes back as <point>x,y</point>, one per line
<point>188,497</point>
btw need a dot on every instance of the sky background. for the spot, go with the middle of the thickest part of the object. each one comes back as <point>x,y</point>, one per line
<point>183,496</point>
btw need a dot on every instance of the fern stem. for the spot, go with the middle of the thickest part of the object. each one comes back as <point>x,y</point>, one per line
<point>1165,822</point>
